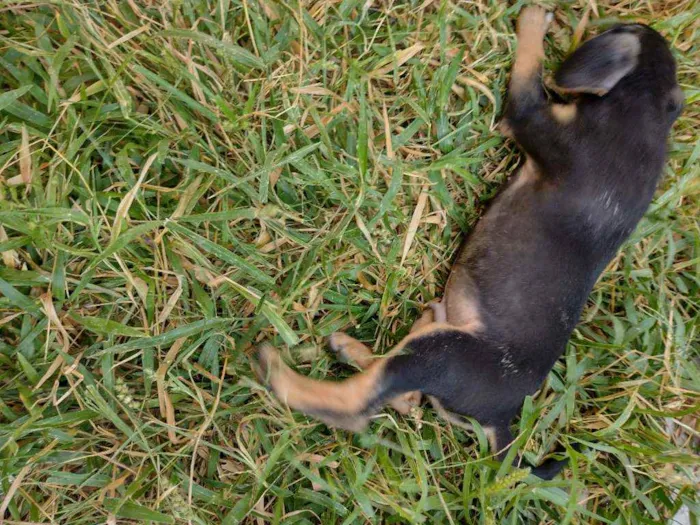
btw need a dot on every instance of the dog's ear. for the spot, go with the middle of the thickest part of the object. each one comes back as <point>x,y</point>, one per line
<point>599,64</point>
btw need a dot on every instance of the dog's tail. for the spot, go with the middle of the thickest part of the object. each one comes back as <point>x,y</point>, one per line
<point>550,468</point>
<point>547,470</point>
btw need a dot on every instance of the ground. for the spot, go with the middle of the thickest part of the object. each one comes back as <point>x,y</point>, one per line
<point>182,180</point>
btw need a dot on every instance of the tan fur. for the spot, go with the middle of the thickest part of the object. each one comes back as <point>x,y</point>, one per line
<point>428,330</point>
<point>578,91</point>
<point>532,27</point>
<point>464,312</point>
<point>439,311</point>
<point>336,403</point>
<point>346,399</point>
<point>404,403</point>
<point>527,175</point>
<point>459,421</point>
<point>564,113</point>
<point>425,319</point>
<point>491,436</point>
<point>461,302</point>
<point>354,351</point>
<point>351,350</point>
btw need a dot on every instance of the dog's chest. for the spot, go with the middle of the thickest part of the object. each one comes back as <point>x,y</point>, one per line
<point>609,212</point>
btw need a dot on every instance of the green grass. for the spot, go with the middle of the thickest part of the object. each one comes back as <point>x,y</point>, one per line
<point>179,181</point>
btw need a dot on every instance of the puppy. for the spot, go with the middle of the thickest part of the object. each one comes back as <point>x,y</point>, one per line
<point>521,278</point>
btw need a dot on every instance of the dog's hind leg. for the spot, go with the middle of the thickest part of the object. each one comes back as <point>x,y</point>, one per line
<point>445,363</point>
<point>438,360</point>
<point>350,349</point>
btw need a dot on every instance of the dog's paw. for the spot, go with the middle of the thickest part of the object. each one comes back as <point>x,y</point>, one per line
<point>406,403</point>
<point>534,21</point>
<point>267,364</point>
<point>439,310</point>
<point>338,342</point>
<point>350,350</point>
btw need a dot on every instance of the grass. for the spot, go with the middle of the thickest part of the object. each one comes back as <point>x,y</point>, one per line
<point>181,180</point>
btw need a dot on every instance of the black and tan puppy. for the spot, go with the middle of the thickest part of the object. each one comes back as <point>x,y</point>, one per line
<point>522,277</point>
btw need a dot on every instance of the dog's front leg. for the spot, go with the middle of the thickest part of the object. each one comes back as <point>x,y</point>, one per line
<point>540,128</point>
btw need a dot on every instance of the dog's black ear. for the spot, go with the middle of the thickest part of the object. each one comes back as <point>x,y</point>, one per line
<point>600,63</point>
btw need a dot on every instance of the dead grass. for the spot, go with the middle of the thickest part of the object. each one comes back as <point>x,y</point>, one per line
<point>180,180</point>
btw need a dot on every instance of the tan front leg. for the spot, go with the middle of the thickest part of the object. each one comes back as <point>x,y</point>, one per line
<point>532,28</point>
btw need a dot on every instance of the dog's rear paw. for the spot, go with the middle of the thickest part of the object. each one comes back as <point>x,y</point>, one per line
<point>338,341</point>
<point>266,364</point>
<point>406,403</point>
<point>350,350</point>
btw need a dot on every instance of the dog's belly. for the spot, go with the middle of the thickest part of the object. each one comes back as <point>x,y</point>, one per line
<point>517,278</point>
<point>461,300</point>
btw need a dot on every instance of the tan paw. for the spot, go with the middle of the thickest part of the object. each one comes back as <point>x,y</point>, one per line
<point>266,363</point>
<point>439,311</point>
<point>350,349</point>
<point>427,317</point>
<point>533,22</point>
<point>404,403</point>
<point>338,341</point>
<point>271,370</point>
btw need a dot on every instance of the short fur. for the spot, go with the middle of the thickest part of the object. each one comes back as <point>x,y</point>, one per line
<point>521,279</point>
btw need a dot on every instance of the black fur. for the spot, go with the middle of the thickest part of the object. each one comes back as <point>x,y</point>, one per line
<point>537,252</point>
<point>532,260</point>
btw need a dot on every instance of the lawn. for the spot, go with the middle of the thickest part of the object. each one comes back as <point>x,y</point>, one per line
<point>182,180</point>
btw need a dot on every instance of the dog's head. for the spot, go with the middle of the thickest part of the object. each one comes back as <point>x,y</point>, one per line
<point>634,62</point>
